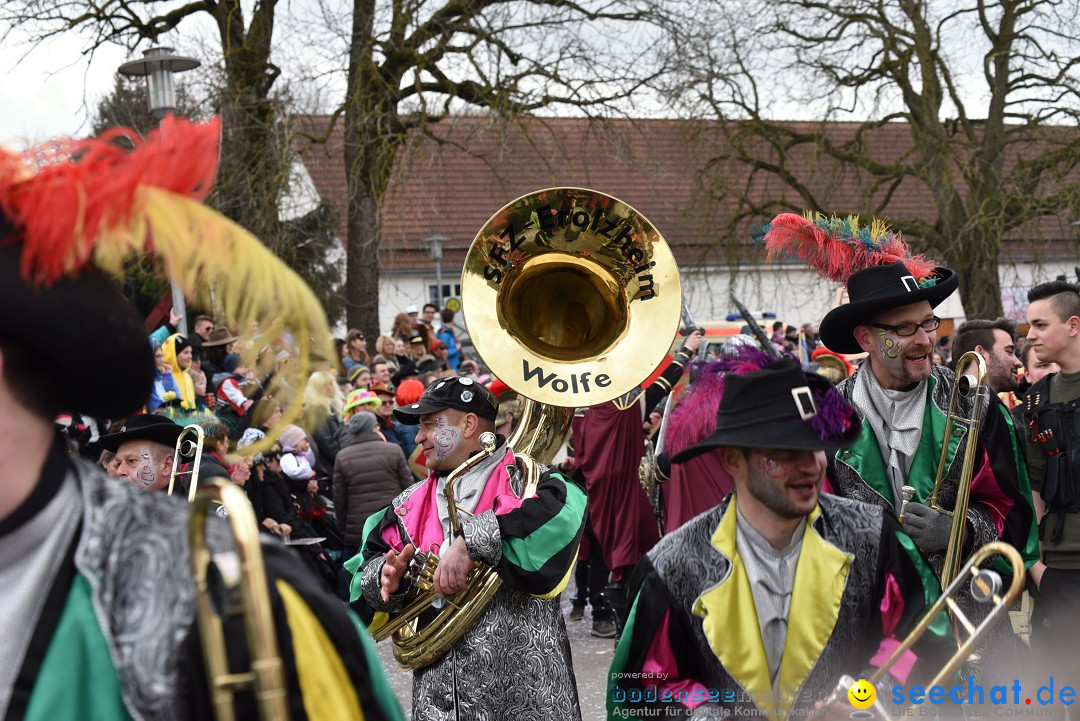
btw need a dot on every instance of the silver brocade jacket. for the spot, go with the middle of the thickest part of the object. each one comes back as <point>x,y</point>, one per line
<point>514,662</point>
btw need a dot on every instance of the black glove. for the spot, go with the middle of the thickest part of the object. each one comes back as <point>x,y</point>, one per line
<point>927,527</point>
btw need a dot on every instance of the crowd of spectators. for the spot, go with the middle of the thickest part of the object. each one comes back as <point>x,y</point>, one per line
<point>344,457</point>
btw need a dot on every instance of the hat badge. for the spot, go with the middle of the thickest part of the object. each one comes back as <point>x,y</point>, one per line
<point>465,381</point>
<point>804,402</point>
<point>466,396</point>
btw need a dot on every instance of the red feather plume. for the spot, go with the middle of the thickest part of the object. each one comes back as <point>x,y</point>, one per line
<point>65,197</point>
<point>837,247</point>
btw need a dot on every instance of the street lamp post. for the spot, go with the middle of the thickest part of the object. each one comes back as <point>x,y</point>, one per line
<point>436,241</point>
<point>158,65</point>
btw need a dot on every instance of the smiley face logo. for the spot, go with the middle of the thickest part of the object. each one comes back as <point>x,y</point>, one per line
<point>862,694</point>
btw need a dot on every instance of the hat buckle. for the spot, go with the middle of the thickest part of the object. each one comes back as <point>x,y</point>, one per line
<point>804,402</point>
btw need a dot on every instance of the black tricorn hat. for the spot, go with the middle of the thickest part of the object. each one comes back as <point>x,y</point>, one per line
<point>776,407</point>
<point>143,426</point>
<point>407,370</point>
<point>875,289</point>
<point>464,394</point>
<point>85,311</point>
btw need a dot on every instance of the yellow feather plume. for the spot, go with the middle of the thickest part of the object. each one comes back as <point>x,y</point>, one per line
<point>220,265</point>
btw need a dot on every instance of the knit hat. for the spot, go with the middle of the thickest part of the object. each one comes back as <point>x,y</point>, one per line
<point>291,436</point>
<point>360,423</point>
<point>356,371</point>
<point>408,392</point>
<point>231,362</point>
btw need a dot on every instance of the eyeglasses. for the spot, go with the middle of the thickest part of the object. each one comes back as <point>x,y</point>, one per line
<point>908,329</point>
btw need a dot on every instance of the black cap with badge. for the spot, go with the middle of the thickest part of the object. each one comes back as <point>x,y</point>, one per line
<point>463,394</point>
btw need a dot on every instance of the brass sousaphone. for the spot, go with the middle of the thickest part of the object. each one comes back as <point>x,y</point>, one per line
<point>572,298</point>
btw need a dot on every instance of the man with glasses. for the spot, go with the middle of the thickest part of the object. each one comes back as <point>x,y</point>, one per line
<point>903,399</point>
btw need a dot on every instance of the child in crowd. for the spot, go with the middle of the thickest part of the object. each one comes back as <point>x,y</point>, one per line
<point>232,403</point>
<point>164,390</point>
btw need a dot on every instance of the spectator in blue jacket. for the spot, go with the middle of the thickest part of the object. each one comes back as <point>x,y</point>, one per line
<point>448,335</point>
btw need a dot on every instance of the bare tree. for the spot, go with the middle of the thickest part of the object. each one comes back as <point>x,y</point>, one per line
<point>970,106</point>
<point>410,63</point>
<point>413,62</point>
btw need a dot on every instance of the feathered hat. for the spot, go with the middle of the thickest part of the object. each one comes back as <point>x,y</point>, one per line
<point>750,399</point>
<point>72,209</point>
<point>873,262</point>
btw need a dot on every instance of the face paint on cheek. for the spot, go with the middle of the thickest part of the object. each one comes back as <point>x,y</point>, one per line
<point>446,438</point>
<point>145,475</point>
<point>770,468</point>
<point>889,348</point>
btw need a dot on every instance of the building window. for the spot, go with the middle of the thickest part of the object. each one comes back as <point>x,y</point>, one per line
<point>449,290</point>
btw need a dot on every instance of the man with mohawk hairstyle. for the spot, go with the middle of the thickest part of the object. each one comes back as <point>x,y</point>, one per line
<point>97,598</point>
<point>902,398</point>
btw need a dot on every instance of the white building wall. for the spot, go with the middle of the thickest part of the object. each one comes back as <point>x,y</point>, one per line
<point>797,295</point>
<point>398,293</point>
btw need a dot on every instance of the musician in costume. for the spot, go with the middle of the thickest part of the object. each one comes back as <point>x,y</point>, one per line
<point>902,398</point>
<point>609,449</point>
<point>757,606</point>
<point>514,661</point>
<point>97,601</point>
<point>699,483</point>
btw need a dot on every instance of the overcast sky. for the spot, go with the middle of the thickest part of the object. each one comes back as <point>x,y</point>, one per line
<point>47,92</point>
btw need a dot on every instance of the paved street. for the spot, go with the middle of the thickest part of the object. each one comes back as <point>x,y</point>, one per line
<point>592,657</point>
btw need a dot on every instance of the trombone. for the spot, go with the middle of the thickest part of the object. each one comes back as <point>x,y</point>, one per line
<point>246,580</point>
<point>985,585</point>
<point>965,385</point>
<point>245,593</point>
<point>186,447</point>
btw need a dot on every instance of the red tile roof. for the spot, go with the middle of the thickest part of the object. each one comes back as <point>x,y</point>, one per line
<point>452,187</point>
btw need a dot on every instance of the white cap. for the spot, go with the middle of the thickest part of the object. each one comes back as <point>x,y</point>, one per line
<point>412,310</point>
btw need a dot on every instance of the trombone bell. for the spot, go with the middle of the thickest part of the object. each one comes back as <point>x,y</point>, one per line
<point>188,448</point>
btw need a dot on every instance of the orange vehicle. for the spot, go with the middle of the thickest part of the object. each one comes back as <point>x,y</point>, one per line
<point>716,332</point>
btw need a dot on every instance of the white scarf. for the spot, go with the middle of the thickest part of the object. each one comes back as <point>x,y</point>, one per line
<point>897,419</point>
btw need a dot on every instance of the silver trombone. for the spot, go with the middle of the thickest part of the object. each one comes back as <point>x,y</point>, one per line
<point>188,447</point>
